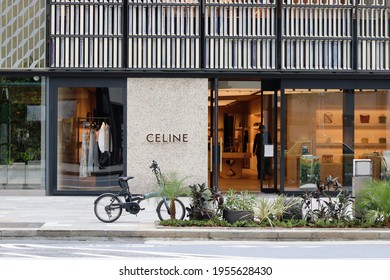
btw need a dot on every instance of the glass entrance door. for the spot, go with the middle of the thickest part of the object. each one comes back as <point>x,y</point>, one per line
<point>241,111</point>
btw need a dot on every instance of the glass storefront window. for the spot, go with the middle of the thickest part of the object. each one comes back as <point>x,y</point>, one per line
<point>90,138</point>
<point>314,137</point>
<point>372,130</point>
<point>22,133</point>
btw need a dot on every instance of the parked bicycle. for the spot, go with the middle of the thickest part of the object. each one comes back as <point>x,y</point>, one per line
<point>108,206</point>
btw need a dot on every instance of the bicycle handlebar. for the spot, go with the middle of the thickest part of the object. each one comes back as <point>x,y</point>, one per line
<point>154,165</point>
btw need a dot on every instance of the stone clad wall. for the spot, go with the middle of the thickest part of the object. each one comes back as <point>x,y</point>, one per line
<point>166,122</point>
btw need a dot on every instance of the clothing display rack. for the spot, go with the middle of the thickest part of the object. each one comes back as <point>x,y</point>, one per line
<point>88,122</point>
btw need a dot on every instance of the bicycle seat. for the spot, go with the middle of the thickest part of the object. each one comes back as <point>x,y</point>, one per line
<point>125,178</point>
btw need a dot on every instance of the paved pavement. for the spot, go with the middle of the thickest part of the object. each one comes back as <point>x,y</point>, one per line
<point>73,216</point>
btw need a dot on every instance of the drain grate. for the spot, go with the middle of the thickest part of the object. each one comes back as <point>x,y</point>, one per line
<point>20,225</point>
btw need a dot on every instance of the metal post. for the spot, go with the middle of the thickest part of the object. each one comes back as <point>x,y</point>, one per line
<point>212,137</point>
<point>282,138</point>
<point>261,124</point>
<point>215,138</point>
<point>275,126</point>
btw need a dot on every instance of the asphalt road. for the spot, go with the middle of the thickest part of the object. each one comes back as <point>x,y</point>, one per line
<point>100,248</point>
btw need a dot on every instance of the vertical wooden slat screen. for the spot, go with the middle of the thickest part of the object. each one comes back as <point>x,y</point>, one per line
<point>240,34</point>
<point>317,35</point>
<point>373,46</point>
<point>164,34</point>
<point>86,34</point>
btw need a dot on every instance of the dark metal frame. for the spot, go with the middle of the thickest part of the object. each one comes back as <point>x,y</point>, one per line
<point>52,86</point>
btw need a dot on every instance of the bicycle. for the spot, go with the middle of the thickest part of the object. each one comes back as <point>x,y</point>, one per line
<point>108,206</point>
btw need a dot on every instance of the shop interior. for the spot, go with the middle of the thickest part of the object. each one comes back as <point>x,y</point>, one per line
<point>90,132</point>
<point>239,118</point>
<point>324,132</point>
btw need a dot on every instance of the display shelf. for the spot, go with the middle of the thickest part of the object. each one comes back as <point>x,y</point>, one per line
<point>357,126</point>
<point>371,145</point>
<point>329,145</point>
<point>329,126</point>
<point>371,125</point>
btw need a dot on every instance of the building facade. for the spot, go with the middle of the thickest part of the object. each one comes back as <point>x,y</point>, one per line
<point>92,89</point>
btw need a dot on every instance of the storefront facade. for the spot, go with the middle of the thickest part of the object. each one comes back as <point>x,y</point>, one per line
<point>102,88</point>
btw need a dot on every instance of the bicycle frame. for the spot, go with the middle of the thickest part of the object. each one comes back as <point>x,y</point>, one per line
<point>130,199</point>
<point>108,206</point>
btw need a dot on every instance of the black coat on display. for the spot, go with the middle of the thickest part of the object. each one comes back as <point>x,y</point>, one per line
<point>262,138</point>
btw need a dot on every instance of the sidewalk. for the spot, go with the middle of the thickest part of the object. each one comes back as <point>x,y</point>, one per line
<point>65,217</point>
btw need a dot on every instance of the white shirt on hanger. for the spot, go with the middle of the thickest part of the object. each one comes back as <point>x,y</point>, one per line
<point>104,139</point>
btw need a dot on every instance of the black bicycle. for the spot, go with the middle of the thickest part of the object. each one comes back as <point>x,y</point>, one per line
<point>108,206</point>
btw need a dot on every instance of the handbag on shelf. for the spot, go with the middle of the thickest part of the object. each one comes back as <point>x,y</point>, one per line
<point>327,158</point>
<point>364,118</point>
<point>328,117</point>
<point>382,118</point>
<point>364,140</point>
<point>382,140</point>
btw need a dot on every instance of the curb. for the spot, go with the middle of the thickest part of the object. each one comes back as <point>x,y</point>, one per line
<point>209,234</point>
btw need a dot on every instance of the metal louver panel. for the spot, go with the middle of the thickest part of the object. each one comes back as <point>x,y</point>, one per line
<point>22,34</point>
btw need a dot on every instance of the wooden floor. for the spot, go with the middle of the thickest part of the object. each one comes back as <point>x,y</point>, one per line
<point>249,182</point>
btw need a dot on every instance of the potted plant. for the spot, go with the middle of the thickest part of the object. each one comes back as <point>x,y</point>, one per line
<point>238,206</point>
<point>201,203</point>
<point>172,187</point>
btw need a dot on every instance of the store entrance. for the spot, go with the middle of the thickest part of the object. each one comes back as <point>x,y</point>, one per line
<point>242,110</point>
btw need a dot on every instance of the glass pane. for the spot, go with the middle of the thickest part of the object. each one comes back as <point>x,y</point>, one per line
<point>22,131</point>
<point>90,144</point>
<point>239,118</point>
<point>372,129</point>
<point>314,137</point>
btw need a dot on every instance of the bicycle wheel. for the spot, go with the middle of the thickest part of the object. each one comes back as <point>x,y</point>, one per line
<point>164,213</point>
<point>105,208</point>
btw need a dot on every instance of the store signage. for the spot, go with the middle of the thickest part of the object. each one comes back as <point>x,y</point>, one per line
<point>167,138</point>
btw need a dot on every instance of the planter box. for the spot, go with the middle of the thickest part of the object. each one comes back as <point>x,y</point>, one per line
<point>232,216</point>
<point>33,173</point>
<point>17,173</point>
<point>3,174</point>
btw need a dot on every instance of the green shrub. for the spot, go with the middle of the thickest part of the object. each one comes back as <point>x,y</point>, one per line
<point>373,202</point>
<point>239,201</point>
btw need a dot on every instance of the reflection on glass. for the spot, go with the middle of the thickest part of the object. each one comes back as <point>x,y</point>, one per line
<point>314,137</point>
<point>21,133</point>
<point>371,129</point>
<point>90,129</point>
